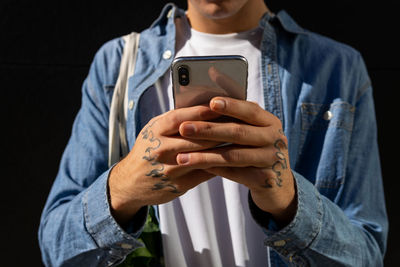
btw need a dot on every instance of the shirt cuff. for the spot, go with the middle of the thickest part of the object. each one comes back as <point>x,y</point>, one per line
<point>101,225</point>
<point>302,230</point>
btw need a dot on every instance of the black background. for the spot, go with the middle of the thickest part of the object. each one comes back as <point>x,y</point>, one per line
<point>45,51</point>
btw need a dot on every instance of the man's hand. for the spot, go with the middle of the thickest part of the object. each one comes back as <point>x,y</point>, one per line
<point>258,157</point>
<point>149,174</point>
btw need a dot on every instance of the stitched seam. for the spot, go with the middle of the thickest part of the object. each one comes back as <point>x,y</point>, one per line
<point>87,220</point>
<point>363,89</point>
<point>330,184</point>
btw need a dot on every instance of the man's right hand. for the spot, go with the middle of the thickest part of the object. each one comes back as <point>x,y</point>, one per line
<point>149,174</point>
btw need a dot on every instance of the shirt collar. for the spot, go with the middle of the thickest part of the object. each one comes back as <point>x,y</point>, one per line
<point>284,19</point>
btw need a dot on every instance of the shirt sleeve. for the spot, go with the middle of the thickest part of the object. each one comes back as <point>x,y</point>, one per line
<point>348,228</point>
<point>77,227</point>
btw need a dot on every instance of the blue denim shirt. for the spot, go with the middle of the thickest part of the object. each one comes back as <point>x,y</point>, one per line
<point>320,90</point>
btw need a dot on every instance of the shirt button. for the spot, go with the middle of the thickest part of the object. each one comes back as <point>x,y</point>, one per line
<point>279,243</point>
<point>167,54</point>
<point>328,115</point>
<point>130,104</point>
<point>126,246</point>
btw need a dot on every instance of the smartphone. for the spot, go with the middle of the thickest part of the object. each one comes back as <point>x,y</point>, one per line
<point>196,80</point>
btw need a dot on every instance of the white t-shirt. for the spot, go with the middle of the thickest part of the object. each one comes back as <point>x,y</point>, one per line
<point>211,224</point>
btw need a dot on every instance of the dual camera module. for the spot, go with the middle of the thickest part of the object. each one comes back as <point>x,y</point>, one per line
<point>183,75</point>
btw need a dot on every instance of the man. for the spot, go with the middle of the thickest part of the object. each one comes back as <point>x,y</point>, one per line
<point>301,181</point>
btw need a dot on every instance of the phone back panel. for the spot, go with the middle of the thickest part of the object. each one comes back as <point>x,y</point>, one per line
<point>209,77</point>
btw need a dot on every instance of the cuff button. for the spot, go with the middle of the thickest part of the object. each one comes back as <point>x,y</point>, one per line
<point>126,246</point>
<point>279,243</point>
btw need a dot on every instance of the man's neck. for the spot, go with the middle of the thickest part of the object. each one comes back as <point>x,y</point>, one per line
<point>246,18</point>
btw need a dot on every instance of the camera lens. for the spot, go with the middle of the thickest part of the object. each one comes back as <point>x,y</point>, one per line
<point>183,75</point>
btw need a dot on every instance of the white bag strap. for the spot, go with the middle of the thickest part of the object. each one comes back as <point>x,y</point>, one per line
<point>118,145</point>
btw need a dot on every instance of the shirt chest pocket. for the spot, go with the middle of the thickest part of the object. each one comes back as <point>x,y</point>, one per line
<point>326,133</point>
<point>322,116</point>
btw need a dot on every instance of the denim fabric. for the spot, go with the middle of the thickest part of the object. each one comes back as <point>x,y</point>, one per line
<point>320,90</point>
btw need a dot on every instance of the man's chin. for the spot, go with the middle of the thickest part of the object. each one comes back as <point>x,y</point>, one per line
<point>217,12</point>
<point>215,9</point>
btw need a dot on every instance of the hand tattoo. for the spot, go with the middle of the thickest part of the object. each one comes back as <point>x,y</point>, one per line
<point>282,163</point>
<point>157,171</point>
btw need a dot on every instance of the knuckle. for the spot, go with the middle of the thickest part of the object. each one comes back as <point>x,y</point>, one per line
<point>152,120</point>
<point>197,158</point>
<point>201,159</point>
<point>284,139</point>
<point>156,155</point>
<point>203,113</point>
<point>173,120</point>
<point>254,110</point>
<point>206,129</point>
<point>179,187</point>
<point>238,132</point>
<point>168,172</point>
<point>161,153</point>
<point>203,129</point>
<point>254,106</point>
<point>276,121</point>
<point>231,155</point>
<point>276,156</point>
<point>281,141</point>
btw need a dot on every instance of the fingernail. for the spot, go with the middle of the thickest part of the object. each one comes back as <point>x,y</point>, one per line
<point>183,159</point>
<point>218,104</point>
<point>189,129</point>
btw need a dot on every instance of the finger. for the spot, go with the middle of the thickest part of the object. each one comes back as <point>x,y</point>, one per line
<point>177,173</point>
<point>165,149</point>
<point>229,132</point>
<point>179,144</point>
<point>246,111</point>
<point>251,177</point>
<point>168,123</point>
<point>229,156</point>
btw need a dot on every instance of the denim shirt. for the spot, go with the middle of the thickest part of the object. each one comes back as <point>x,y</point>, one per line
<point>321,92</point>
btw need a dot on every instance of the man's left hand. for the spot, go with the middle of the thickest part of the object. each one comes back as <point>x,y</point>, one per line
<point>257,156</point>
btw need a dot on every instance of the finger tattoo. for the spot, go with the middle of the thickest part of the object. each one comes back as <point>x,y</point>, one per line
<point>157,167</point>
<point>280,164</point>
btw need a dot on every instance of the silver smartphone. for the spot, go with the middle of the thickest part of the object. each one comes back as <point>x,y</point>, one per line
<point>195,80</point>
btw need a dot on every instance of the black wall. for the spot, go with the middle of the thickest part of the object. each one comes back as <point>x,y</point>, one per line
<point>45,51</point>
